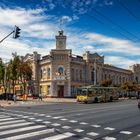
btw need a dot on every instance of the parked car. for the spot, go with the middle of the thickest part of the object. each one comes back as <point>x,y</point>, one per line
<point>139,104</point>
<point>6,96</point>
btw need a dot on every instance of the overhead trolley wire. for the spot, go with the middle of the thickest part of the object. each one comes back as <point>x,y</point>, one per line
<point>111,21</point>
<point>111,28</point>
<point>128,10</point>
<point>117,25</point>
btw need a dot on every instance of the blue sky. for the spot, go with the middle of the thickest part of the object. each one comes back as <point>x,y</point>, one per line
<point>108,27</point>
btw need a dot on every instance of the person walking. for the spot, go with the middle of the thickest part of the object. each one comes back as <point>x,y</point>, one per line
<point>14,97</point>
<point>40,94</point>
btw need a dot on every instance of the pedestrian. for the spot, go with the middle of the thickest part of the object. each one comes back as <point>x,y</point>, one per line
<point>14,97</point>
<point>40,94</point>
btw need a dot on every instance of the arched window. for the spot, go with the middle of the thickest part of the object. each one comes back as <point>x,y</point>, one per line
<point>72,74</point>
<point>48,73</point>
<point>81,75</point>
<point>41,74</point>
<point>60,70</point>
<point>77,75</point>
<point>92,75</point>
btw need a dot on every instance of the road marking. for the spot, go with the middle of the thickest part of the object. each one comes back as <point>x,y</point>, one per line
<point>60,136</point>
<point>78,130</point>
<point>73,121</point>
<point>84,123</point>
<point>21,129</point>
<point>6,119</point>
<point>86,138</point>
<point>109,128</point>
<point>48,116</point>
<point>10,122</point>
<point>19,115</point>
<point>3,116</point>
<point>58,117</point>
<point>93,134</point>
<point>38,120</point>
<point>31,118</point>
<point>66,127</point>
<point>25,117</point>
<point>109,138</point>
<point>139,135</point>
<point>36,113</point>
<point>27,135</point>
<point>64,119</point>
<point>96,126</point>
<point>46,122</point>
<point>42,115</point>
<point>56,124</point>
<point>79,114</point>
<point>126,132</point>
<point>15,125</point>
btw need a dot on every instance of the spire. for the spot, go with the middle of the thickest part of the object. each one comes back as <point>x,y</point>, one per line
<point>61,23</point>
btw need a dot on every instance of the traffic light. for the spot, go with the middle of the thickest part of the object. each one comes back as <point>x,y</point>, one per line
<point>16,32</point>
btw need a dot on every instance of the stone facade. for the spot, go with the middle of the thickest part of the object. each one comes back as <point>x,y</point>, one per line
<point>60,73</point>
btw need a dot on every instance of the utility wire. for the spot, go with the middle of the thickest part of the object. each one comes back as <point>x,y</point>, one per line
<point>128,10</point>
<point>110,20</point>
<point>117,25</point>
<point>111,28</point>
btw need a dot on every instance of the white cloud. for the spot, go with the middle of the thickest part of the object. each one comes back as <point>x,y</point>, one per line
<point>19,16</point>
<point>108,2</point>
<point>75,17</point>
<point>34,31</point>
<point>66,18</point>
<point>122,62</point>
<point>111,44</point>
<point>38,32</point>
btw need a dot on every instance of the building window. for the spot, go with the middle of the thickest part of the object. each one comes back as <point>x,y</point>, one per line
<point>48,90</point>
<point>109,76</point>
<point>136,79</point>
<point>41,74</point>
<point>77,75</point>
<point>44,71</point>
<point>105,77</point>
<point>92,75</point>
<point>72,74</point>
<point>60,70</point>
<point>120,80</point>
<point>48,73</point>
<point>81,75</point>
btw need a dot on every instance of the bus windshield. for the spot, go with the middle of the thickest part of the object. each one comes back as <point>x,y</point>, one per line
<point>82,91</point>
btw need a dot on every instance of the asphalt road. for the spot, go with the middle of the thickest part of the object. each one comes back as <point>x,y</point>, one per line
<point>72,121</point>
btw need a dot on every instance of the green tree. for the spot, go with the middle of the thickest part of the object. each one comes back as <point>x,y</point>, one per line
<point>2,72</point>
<point>25,73</point>
<point>106,83</point>
<point>129,86</point>
<point>13,73</point>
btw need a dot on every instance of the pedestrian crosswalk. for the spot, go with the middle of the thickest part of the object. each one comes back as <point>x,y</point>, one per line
<point>13,128</point>
<point>26,126</point>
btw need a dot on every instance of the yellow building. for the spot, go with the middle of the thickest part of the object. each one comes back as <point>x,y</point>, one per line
<point>60,73</point>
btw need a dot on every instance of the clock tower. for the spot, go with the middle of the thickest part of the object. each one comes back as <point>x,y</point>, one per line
<point>60,41</point>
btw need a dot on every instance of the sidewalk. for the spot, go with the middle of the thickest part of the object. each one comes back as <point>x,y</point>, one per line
<point>4,103</point>
<point>31,101</point>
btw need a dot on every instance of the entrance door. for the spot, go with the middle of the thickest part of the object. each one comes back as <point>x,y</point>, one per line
<point>60,91</point>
